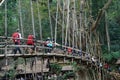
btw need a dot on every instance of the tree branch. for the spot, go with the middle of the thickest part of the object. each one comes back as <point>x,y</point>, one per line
<point>101,12</point>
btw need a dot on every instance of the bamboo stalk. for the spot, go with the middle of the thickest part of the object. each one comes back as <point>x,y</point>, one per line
<point>20,16</point>
<point>67,24</point>
<point>107,32</point>
<point>56,25</point>
<point>63,23</point>
<point>32,15</point>
<point>25,68</point>
<point>6,26</point>
<point>39,18</point>
<point>49,13</point>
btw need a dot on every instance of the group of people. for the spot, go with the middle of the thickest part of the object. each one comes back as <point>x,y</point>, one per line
<point>49,44</point>
<point>73,51</point>
<point>16,37</point>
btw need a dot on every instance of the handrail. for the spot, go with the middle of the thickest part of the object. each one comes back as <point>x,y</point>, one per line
<point>42,42</point>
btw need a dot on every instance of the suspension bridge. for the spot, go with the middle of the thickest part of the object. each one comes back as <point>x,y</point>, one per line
<point>71,26</point>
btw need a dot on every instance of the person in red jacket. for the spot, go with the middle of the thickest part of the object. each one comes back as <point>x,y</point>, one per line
<point>16,36</point>
<point>31,41</point>
<point>69,50</point>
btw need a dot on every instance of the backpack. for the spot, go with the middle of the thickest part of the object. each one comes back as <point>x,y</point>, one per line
<point>106,66</point>
<point>49,43</point>
<point>30,40</point>
<point>15,37</point>
<point>69,50</point>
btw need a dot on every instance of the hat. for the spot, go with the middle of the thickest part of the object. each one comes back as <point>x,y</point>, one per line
<point>48,37</point>
<point>18,30</point>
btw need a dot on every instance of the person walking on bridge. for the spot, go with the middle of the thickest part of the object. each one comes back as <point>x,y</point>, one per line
<point>48,44</point>
<point>31,42</point>
<point>16,36</point>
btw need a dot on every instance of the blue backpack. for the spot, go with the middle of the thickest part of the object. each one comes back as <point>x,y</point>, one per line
<point>50,44</point>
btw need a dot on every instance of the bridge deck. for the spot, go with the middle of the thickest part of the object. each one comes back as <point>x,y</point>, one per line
<point>42,55</point>
<point>54,57</point>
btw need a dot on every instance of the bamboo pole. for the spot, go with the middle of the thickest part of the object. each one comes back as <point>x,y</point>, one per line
<point>80,33</point>
<point>99,61</point>
<point>68,17</point>
<point>25,67</point>
<point>63,23</point>
<point>5,17</point>
<point>20,13</point>
<point>56,25</point>
<point>35,60</point>
<point>39,18</point>
<point>73,26</point>
<point>32,15</point>
<point>107,31</point>
<point>42,62</point>
<point>49,13</point>
<point>93,72</point>
<point>6,62</point>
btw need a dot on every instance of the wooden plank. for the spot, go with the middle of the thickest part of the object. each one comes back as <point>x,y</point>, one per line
<point>64,68</point>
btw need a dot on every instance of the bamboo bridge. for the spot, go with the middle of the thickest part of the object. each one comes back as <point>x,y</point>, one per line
<point>41,60</point>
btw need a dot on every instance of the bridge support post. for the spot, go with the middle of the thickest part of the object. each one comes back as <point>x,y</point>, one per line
<point>42,62</point>
<point>99,75</point>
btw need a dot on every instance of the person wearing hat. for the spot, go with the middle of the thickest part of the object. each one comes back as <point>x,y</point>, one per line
<point>48,44</point>
<point>18,30</point>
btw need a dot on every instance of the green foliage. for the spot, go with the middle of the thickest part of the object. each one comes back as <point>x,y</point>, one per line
<point>116,55</point>
<point>113,22</point>
<point>96,6</point>
<point>68,74</point>
<point>55,68</point>
<point>77,67</point>
<point>21,61</point>
<point>114,25</point>
<point>11,74</point>
<point>113,55</point>
<point>107,57</point>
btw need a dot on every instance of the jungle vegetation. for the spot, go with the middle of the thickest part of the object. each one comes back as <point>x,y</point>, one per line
<point>111,19</point>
